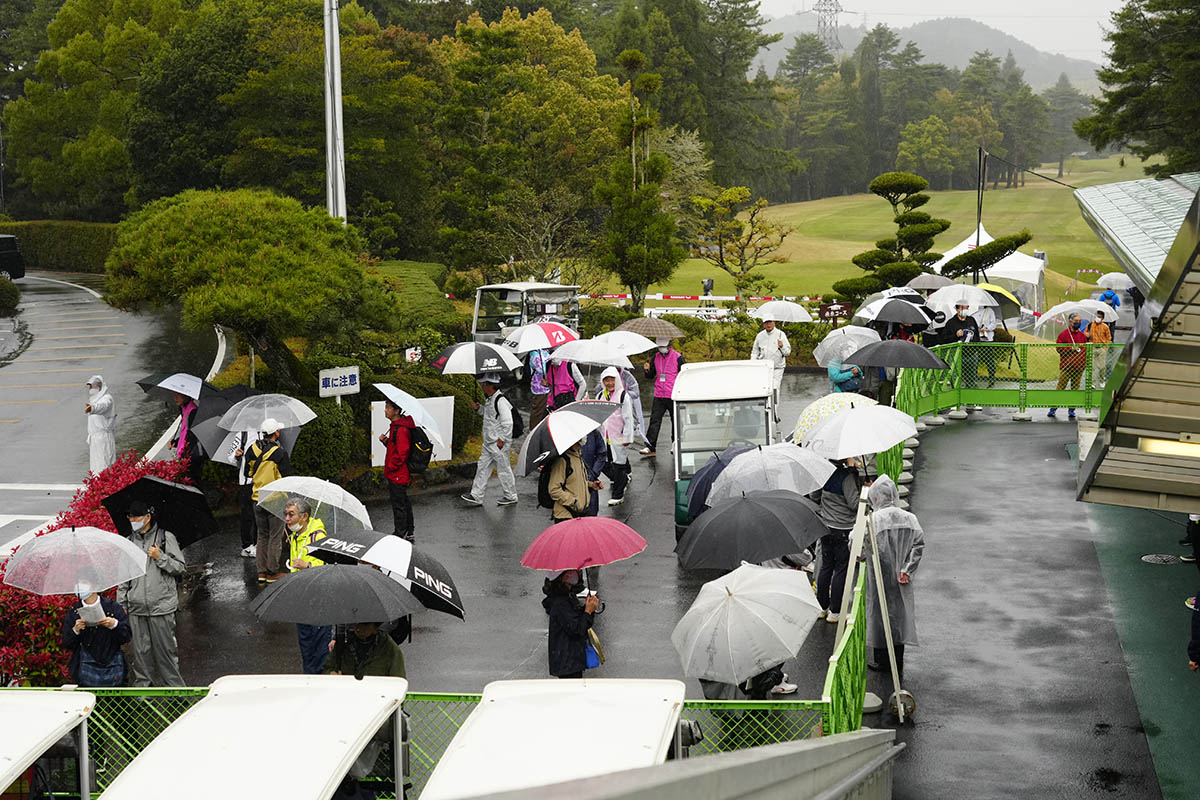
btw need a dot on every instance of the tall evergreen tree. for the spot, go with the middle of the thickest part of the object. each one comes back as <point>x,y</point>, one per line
<point>1066,106</point>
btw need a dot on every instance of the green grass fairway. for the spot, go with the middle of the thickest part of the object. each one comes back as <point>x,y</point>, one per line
<point>828,232</point>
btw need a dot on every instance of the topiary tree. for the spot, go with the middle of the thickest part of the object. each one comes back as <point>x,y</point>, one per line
<point>897,260</point>
<point>263,265</point>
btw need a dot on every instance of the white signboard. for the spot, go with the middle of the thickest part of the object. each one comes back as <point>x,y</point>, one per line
<point>442,410</point>
<point>338,381</point>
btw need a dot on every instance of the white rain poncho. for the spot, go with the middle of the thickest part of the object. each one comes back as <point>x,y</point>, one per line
<point>102,419</point>
<point>901,543</point>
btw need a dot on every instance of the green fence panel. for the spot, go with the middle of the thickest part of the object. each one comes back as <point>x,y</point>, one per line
<point>846,681</point>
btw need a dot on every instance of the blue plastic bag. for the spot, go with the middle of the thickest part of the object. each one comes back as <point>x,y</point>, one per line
<point>593,658</point>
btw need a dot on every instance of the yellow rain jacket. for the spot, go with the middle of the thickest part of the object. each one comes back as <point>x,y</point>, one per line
<point>299,541</point>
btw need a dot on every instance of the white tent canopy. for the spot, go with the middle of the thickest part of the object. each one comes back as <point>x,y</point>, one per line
<point>1019,273</point>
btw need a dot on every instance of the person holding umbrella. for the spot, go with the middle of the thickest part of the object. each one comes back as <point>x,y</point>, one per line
<point>497,443</point>
<point>570,621</point>
<point>303,530</point>
<point>663,369</point>
<point>618,433</point>
<point>152,600</point>
<point>395,467</point>
<point>184,444</point>
<point>365,652</point>
<point>101,412</point>
<point>839,510</point>
<point>96,657</point>
<point>900,542</point>
<point>772,345</point>
<point>267,461</point>
<point>539,385</point>
<point>1072,359</point>
<point>569,484</point>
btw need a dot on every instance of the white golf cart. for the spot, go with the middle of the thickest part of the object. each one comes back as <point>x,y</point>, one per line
<point>717,404</point>
<point>500,307</point>
<point>262,736</point>
<point>34,722</point>
<point>516,739</point>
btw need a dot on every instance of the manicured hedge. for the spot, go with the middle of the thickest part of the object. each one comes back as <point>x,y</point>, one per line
<point>63,245</point>
<point>326,444</point>
<point>10,295</point>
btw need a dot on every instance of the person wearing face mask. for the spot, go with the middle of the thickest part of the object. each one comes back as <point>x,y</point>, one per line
<point>569,623</point>
<point>304,529</point>
<point>963,329</point>
<point>102,419</point>
<point>772,345</point>
<point>152,600</point>
<point>839,510</point>
<point>1072,359</point>
<point>96,657</point>
<point>663,369</point>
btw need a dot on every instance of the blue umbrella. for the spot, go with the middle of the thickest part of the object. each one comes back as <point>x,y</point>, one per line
<point>702,481</point>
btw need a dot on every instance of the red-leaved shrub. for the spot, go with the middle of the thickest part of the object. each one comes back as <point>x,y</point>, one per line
<point>31,625</point>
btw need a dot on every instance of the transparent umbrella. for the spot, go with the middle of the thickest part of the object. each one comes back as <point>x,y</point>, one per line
<point>596,352</point>
<point>841,342</point>
<point>71,560</point>
<point>777,466</point>
<point>330,503</point>
<point>251,413</point>
<point>827,406</point>
<point>858,431</point>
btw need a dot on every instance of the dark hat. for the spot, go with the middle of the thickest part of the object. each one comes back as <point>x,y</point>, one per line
<point>137,508</point>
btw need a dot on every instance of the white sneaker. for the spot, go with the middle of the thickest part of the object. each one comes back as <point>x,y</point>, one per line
<point>646,451</point>
<point>832,617</point>
<point>784,688</point>
<point>250,551</point>
<point>616,501</point>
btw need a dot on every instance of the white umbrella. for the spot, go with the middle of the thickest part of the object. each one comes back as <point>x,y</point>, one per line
<point>592,351</point>
<point>744,623</point>
<point>841,342</point>
<point>251,413</point>
<point>411,407</point>
<point>777,466</point>
<point>858,431</point>
<point>1115,280</point>
<point>539,336</point>
<point>948,298</point>
<point>74,559</point>
<point>180,382</point>
<point>329,502</point>
<point>1062,312</point>
<point>626,342</point>
<point>782,311</point>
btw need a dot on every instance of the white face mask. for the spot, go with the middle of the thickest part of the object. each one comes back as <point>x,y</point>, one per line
<point>663,350</point>
<point>295,526</point>
<point>137,524</point>
<point>92,391</point>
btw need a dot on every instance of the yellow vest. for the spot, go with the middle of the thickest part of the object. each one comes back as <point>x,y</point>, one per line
<point>299,541</point>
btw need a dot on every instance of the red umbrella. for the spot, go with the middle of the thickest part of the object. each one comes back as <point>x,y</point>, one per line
<point>582,542</point>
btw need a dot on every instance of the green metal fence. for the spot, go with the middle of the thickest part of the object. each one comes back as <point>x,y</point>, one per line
<point>846,680</point>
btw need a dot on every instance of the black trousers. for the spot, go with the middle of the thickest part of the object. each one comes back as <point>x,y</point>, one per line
<point>835,560</point>
<point>402,516</point>
<point>661,406</point>
<point>881,659</point>
<point>619,474</point>
<point>249,528</point>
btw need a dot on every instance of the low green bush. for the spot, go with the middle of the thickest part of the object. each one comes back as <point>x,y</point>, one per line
<point>419,298</point>
<point>10,295</point>
<point>63,245</point>
<point>463,283</point>
<point>326,445</point>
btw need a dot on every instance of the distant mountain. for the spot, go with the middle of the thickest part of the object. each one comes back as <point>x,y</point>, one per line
<point>950,41</point>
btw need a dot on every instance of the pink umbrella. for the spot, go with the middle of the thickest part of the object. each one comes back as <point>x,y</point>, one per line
<point>539,336</point>
<point>582,542</point>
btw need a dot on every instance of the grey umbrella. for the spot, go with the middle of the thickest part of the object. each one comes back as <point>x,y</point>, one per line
<point>753,528</point>
<point>928,282</point>
<point>896,353</point>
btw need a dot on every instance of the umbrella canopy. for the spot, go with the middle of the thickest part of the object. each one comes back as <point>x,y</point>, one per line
<point>330,503</point>
<point>894,310</point>
<point>948,297</point>
<point>74,559</point>
<point>582,542</point>
<point>1085,308</point>
<point>744,623</point>
<point>597,352</point>
<point>217,402</point>
<point>626,342</point>
<point>897,293</point>
<point>539,336</point>
<point>1118,281</point>
<point>896,353</point>
<point>752,528</point>
<point>222,445</point>
<point>251,413</point>
<point>651,327</point>
<point>841,342</point>
<point>475,358</point>
<point>859,430</point>
<point>419,572</point>
<point>411,407</point>
<point>816,411</point>
<point>776,466</point>
<point>701,483</point>
<point>1007,304</point>
<point>180,382</point>
<point>560,429</point>
<point>334,595</point>
<point>178,508</point>
<point>782,311</point>
<point>928,282</point>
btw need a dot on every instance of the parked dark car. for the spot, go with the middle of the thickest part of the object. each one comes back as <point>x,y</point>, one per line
<point>12,266</point>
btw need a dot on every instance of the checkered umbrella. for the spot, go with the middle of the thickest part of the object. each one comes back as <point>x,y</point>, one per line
<point>651,327</point>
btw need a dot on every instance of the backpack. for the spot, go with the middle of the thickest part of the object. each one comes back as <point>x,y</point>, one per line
<point>420,451</point>
<point>262,469</point>
<point>518,423</point>
<point>544,498</point>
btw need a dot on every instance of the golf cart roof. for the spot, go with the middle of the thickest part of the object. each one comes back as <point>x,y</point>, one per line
<point>324,720</point>
<point>516,738</point>
<point>529,286</point>
<point>723,380</point>
<point>33,721</point>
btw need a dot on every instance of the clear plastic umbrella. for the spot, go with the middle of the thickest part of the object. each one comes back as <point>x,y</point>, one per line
<point>949,297</point>
<point>328,502</point>
<point>841,342</point>
<point>777,466</point>
<point>827,406</point>
<point>858,431</point>
<point>744,623</point>
<point>251,413</point>
<point>1084,308</point>
<point>1118,281</point>
<point>72,560</point>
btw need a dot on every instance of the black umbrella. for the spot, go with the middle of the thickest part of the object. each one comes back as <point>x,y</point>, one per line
<point>702,481</point>
<point>896,353</point>
<point>897,310</point>
<point>180,382</point>
<point>475,358</point>
<point>416,570</point>
<point>755,527</point>
<point>178,508</point>
<point>333,595</point>
<point>560,429</point>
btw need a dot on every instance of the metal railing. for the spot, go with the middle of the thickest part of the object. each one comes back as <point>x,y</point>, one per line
<point>846,680</point>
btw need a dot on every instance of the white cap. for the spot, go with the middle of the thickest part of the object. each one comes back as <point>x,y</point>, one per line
<point>610,372</point>
<point>489,377</point>
<point>271,425</point>
<point>663,341</point>
<point>1194,517</point>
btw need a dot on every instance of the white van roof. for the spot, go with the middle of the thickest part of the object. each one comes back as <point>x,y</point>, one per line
<point>724,380</point>
<point>33,721</point>
<point>529,286</point>
<point>539,732</point>
<point>261,736</point>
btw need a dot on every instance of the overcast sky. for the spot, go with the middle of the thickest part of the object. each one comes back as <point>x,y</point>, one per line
<point>1070,27</point>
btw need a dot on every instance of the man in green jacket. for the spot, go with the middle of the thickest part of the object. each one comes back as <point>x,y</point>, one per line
<point>365,651</point>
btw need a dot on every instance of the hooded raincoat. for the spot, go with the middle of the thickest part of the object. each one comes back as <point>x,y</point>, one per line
<point>901,544</point>
<point>619,427</point>
<point>102,420</point>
